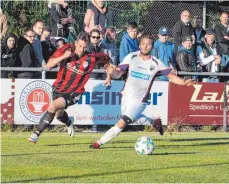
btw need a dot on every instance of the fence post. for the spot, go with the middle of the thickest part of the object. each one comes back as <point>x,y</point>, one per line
<point>43,74</point>
<point>204,14</point>
<point>225,108</point>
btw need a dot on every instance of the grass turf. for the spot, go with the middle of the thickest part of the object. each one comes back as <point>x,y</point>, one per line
<point>190,157</point>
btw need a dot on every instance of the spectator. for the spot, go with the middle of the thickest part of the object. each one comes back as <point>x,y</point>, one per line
<point>209,56</point>
<point>98,16</point>
<point>95,47</point>
<point>164,50</point>
<point>27,55</point>
<point>61,21</point>
<point>185,57</point>
<point>182,29</point>
<point>8,54</point>
<point>3,24</point>
<point>47,48</point>
<point>129,42</point>
<point>199,31</point>
<point>222,35</point>
<point>110,46</point>
<point>38,27</point>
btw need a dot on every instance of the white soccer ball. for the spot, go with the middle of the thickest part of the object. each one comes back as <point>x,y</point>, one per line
<point>144,146</point>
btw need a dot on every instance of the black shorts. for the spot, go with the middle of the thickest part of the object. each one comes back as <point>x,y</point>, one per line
<point>70,98</point>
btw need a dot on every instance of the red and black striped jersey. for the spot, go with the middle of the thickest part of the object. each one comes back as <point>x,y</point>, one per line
<point>75,71</point>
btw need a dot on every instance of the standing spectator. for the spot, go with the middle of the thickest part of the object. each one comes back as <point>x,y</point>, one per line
<point>8,54</point>
<point>27,55</point>
<point>129,41</point>
<point>61,21</point>
<point>38,27</point>
<point>222,35</point>
<point>3,24</point>
<point>199,31</point>
<point>98,16</point>
<point>47,48</point>
<point>182,29</point>
<point>209,56</point>
<point>185,57</point>
<point>110,46</point>
<point>95,47</point>
<point>164,50</point>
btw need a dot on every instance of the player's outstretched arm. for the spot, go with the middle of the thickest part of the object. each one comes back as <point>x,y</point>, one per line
<point>179,81</point>
<point>52,62</point>
<point>113,71</point>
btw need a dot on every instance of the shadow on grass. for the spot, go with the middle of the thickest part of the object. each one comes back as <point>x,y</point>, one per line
<point>201,144</point>
<point>199,139</point>
<point>112,173</point>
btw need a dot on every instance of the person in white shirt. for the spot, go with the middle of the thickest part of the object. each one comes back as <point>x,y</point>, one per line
<point>209,56</point>
<point>142,69</point>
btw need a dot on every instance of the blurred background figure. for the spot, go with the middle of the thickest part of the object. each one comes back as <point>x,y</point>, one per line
<point>8,54</point>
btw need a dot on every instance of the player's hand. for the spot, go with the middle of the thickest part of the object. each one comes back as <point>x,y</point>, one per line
<point>67,54</point>
<point>189,82</point>
<point>107,81</point>
<point>174,72</point>
<point>109,68</point>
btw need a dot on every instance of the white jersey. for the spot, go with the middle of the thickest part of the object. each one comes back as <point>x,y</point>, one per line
<point>140,76</point>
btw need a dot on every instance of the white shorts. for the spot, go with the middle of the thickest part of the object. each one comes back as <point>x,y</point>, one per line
<point>132,108</point>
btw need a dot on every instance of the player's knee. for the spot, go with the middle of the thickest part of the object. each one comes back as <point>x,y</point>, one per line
<point>52,108</point>
<point>126,119</point>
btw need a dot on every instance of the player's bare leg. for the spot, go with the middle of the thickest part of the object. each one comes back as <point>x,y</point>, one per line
<point>47,118</point>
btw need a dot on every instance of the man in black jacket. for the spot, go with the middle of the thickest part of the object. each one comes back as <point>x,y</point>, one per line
<point>8,54</point>
<point>185,57</point>
<point>26,55</point>
<point>182,29</point>
<point>222,34</point>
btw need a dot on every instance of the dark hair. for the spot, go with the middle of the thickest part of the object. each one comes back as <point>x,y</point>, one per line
<point>47,29</point>
<point>94,31</point>
<point>39,20</point>
<point>26,30</point>
<point>146,36</point>
<point>132,25</point>
<point>83,36</point>
<point>110,29</point>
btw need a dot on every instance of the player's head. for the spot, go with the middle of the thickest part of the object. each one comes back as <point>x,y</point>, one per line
<point>132,30</point>
<point>38,27</point>
<point>81,43</point>
<point>146,44</point>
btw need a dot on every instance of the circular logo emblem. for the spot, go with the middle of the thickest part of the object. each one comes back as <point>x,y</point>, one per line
<point>35,99</point>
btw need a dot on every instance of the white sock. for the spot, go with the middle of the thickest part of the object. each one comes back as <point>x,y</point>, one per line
<point>110,134</point>
<point>143,120</point>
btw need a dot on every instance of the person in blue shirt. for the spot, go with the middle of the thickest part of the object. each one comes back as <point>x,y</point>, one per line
<point>129,41</point>
<point>164,50</point>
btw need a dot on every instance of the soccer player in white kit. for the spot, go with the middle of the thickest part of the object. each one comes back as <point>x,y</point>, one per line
<point>142,69</point>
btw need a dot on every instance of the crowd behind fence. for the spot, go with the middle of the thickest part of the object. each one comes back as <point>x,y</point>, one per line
<point>149,15</point>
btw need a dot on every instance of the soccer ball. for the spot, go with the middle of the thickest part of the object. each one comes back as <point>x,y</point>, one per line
<point>144,146</point>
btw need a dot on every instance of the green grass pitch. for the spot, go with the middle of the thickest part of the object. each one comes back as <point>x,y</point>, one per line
<point>188,157</point>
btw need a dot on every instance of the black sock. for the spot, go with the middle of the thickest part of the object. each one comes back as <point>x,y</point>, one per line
<point>65,119</point>
<point>45,122</point>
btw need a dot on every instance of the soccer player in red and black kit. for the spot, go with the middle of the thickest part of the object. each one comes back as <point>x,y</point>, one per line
<point>76,65</point>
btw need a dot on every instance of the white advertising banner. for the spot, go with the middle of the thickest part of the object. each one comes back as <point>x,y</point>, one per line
<point>99,105</point>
